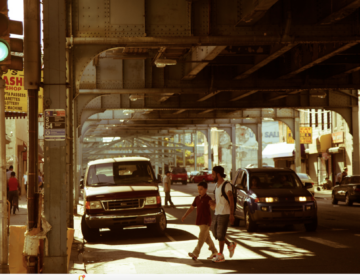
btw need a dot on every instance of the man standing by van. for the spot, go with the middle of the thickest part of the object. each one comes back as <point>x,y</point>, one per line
<point>224,212</point>
<point>167,185</point>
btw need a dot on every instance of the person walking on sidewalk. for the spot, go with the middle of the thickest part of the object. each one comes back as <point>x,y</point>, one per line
<point>13,192</point>
<point>203,220</point>
<point>224,211</point>
<point>167,186</point>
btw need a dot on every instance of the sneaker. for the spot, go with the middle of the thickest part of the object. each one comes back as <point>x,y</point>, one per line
<point>191,255</point>
<point>212,256</point>
<point>219,258</point>
<point>232,249</point>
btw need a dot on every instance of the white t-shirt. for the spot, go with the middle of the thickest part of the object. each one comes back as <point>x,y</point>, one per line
<point>222,205</point>
<point>25,179</point>
<point>167,181</point>
<point>8,175</point>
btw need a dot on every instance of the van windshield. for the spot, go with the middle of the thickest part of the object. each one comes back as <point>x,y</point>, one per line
<point>120,173</point>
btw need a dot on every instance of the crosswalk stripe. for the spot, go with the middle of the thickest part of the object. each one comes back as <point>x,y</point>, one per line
<point>325,242</point>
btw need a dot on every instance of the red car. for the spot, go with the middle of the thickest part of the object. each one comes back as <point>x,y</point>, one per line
<point>179,174</point>
<point>202,176</point>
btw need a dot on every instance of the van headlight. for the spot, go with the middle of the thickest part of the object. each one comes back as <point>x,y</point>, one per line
<point>95,205</point>
<point>151,200</point>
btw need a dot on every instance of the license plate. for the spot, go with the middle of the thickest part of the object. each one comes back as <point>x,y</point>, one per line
<point>149,220</point>
<point>179,178</point>
<point>288,214</point>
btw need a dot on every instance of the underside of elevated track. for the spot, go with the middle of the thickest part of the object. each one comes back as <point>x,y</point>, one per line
<point>148,70</point>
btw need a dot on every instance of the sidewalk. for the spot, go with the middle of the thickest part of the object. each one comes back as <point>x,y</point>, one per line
<point>323,194</point>
<point>20,217</point>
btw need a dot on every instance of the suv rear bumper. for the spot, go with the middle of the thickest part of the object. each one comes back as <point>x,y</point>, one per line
<point>135,218</point>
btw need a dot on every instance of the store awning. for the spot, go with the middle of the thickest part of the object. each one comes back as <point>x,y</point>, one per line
<point>278,150</point>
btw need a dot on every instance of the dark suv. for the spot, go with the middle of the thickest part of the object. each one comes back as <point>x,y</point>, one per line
<point>118,193</point>
<point>273,196</point>
<point>179,174</point>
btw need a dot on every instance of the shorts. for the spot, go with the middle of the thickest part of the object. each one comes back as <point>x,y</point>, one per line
<point>219,226</point>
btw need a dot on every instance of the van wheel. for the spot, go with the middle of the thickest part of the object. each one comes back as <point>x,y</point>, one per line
<point>90,234</point>
<point>250,225</point>
<point>333,199</point>
<point>160,226</point>
<point>311,226</point>
<point>348,202</point>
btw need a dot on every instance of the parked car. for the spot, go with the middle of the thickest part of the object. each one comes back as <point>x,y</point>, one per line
<point>179,174</point>
<point>191,174</point>
<point>277,197</point>
<point>202,176</point>
<point>348,191</point>
<point>305,178</point>
<point>118,193</point>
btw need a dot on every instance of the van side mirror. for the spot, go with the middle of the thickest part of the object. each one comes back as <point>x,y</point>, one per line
<point>308,185</point>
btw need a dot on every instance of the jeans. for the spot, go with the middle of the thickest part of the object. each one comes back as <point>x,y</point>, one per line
<point>204,236</point>
<point>168,199</point>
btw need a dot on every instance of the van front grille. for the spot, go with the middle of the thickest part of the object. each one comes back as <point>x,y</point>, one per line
<point>123,204</point>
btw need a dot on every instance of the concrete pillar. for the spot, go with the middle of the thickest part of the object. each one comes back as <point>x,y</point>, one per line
<point>195,151</point>
<point>233,150</point>
<point>175,158</point>
<point>55,151</point>
<point>297,145</point>
<point>209,150</point>
<point>163,159</point>
<point>355,133</point>
<point>183,142</point>
<point>259,132</point>
<point>157,160</point>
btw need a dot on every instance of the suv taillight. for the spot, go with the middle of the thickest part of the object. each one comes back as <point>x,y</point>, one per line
<point>158,199</point>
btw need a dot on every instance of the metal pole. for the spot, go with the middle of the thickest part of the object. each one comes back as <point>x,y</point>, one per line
<point>3,207</point>
<point>209,150</point>
<point>233,150</point>
<point>297,145</point>
<point>259,132</point>
<point>195,150</point>
<point>183,142</point>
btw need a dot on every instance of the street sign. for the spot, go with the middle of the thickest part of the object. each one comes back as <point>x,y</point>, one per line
<point>55,125</point>
<point>305,136</point>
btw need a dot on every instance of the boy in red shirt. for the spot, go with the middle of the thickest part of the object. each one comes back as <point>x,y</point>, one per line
<point>203,220</point>
<point>13,192</point>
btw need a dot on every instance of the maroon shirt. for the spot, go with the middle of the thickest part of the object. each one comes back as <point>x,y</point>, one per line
<point>203,216</point>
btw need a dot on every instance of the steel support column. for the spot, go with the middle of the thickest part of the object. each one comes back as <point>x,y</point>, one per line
<point>355,133</point>
<point>183,142</point>
<point>55,151</point>
<point>195,150</point>
<point>209,150</point>
<point>259,132</point>
<point>4,268</point>
<point>233,151</point>
<point>296,133</point>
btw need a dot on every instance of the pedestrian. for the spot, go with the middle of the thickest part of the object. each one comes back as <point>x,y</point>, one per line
<point>8,173</point>
<point>24,182</point>
<point>13,192</point>
<point>203,220</point>
<point>40,181</point>
<point>327,184</point>
<point>167,186</point>
<point>340,176</point>
<point>224,212</point>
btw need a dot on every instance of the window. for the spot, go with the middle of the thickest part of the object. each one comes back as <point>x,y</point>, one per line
<point>328,120</point>
<point>244,181</point>
<point>322,120</point>
<point>335,119</point>
<point>316,119</point>
<point>238,179</point>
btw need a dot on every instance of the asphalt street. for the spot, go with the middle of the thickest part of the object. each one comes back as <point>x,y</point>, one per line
<point>333,248</point>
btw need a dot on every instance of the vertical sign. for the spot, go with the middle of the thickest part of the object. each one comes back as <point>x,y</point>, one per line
<point>55,125</point>
<point>305,136</point>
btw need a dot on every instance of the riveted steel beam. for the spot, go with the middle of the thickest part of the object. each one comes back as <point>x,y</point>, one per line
<point>342,12</point>
<point>253,11</point>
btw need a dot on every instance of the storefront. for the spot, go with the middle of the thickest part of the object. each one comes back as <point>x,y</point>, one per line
<point>283,155</point>
<point>319,159</point>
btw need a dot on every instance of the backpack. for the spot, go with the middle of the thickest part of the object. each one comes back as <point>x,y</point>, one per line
<point>233,190</point>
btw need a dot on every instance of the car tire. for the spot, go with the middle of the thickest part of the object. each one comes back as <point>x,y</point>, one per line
<point>250,225</point>
<point>310,227</point>
<point>89,234</point>
<point>159,227</point>
<point>333,199</point>
<point>348,202</point>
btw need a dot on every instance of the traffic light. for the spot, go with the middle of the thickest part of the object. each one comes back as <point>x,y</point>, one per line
<point>7,44</point>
